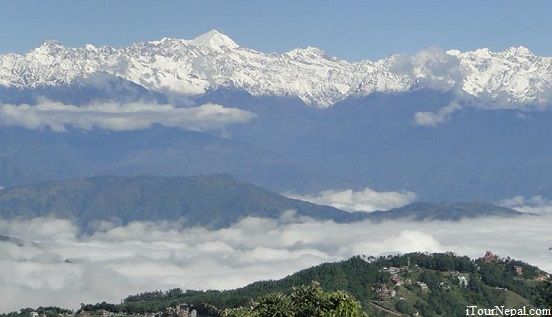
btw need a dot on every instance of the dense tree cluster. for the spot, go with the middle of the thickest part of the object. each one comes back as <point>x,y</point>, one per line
<point>545,299</point>
<point>304,301</point>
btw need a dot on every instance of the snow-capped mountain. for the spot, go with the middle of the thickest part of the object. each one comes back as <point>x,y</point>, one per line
<point>514,77</point>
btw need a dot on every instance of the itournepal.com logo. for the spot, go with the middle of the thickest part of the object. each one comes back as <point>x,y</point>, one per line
<point>503,311</point>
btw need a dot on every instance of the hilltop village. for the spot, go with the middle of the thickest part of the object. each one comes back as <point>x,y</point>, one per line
<point>406,284</point>
<point>409,276</point>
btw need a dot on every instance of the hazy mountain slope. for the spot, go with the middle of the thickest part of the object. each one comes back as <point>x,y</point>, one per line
<point>476,154</point>
<point>214,200</point>
<point>29,156</point>
<point>445,211</point>
<point>371,141</point>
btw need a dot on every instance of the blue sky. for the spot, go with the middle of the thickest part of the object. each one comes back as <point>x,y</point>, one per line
<point>348,29</point>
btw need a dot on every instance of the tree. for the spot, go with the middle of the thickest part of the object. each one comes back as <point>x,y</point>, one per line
<point>304,301</point>
<point>274,305</point>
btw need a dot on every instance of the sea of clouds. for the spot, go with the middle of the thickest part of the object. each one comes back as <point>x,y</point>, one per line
<point>59,265</point>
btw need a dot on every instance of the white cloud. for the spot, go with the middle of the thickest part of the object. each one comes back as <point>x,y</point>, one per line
<point>119,117</point>
<point>432,119</point>
<point>533,205</point>
<point>366,200</point>
<point>430,68</point>
<point>121,260</point>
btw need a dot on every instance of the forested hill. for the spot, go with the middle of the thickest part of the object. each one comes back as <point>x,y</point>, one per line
<point>431,284</point>
<point>211,200</point>
<point>215,200</point>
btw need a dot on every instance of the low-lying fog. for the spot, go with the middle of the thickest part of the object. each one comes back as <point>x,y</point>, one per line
<point>65,267</point>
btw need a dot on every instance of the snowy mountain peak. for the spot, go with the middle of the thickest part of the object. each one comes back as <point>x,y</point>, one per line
<point>89,47</point>
<point>308,52</point>
<point>214,38</point>
<point>521,51</point>
<point>49,47</point>
<point>482,52</point>
<point>168,41</point>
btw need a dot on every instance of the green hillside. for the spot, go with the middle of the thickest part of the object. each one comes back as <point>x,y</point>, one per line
<point>429,284</point>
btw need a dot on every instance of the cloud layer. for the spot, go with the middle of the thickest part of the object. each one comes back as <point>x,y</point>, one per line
<point>119,117</point>
<point>366,200</point>
<point>66,268</point>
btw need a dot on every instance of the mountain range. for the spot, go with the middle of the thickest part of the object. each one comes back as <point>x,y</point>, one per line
<point>208,200</point>
<point>446,211</point>
<point>213,60</point>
